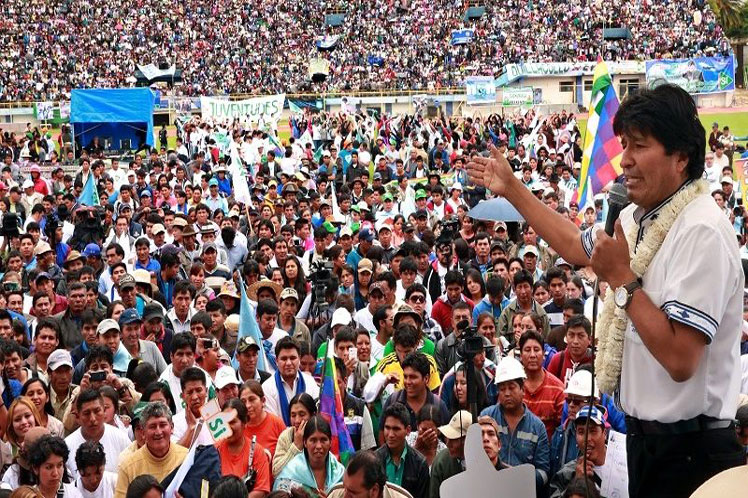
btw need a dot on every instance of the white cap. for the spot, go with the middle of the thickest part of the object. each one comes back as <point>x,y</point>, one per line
<point>341,317</point>
<point>509,369</point>
<point>58,358</point>
<point>28,184</point>
<point>581,384</point>
<point>225,376</point>
<point>458,425</point>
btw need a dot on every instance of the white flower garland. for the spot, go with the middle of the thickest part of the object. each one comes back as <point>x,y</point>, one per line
<point>611,329</point>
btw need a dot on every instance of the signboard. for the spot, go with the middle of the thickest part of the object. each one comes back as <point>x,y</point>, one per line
<point>44,111</point>
<point>741,171</point>
<point>615,475</point>
<point>216,420</point>
<point>699,75</point>
<point>513,72</point>
<point>514,97</point>
<point>462,36</point>
<point>480,90</point>
<point>266,108</point>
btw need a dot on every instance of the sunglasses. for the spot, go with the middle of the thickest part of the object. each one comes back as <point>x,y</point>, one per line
<point>417,299</point>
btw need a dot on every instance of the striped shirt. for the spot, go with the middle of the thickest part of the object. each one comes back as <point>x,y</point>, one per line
<point>547,401</point>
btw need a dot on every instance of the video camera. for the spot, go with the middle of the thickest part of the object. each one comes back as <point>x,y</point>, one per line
<point>321,279</point>
<point>470,342</point>
<point>450,227</point>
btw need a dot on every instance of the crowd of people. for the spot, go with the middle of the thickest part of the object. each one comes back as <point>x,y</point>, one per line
<point>50,48</point>
<point>119,322</point>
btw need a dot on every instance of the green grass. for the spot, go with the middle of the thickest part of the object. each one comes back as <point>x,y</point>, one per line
<point>737,121</point>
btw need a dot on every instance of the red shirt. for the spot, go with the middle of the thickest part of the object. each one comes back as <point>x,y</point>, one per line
<point>237,464</point>
<point>267,431</point>
<point>564,371</point>
<point>547,401</point>
<point>442,312</point>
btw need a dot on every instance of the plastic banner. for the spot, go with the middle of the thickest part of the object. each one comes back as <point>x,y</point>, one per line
<point>514,97</point>
<point>480,90</point>
<point>696,76</point>
<point>265,108</point>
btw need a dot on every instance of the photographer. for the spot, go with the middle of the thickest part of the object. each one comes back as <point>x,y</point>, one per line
<point>447,354</point>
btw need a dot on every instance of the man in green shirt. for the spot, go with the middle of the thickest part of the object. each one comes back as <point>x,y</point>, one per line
<point>404,465</point>
<point>450,461</point>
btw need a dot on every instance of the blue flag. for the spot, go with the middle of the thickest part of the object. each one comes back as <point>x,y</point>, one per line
<point>89,195</point>
<point>248,327</point>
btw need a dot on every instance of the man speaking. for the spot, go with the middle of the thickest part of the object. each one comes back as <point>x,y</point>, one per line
<point>670,327</point>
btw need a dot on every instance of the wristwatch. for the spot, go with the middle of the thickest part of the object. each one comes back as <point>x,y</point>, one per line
<point>625,293</point>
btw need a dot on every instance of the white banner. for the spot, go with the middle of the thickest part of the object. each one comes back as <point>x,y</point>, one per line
<point>265,108</point>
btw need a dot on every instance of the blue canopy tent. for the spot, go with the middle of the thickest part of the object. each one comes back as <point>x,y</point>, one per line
<point>122,118</point>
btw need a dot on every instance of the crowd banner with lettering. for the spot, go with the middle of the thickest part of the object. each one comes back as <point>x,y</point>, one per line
<point>517,96</point>
<point>514,72</point>
<point>265,108</point>
<point>462,36</point>
<point>698,75</point>
<point>480,90</point>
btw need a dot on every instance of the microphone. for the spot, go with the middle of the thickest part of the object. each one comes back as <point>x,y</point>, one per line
<point>617,200</point>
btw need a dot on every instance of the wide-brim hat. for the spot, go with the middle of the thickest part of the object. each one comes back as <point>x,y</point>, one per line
<point>264,283</point>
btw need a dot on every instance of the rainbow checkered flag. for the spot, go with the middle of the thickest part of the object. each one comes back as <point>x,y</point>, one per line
<point>601,162</point>
<point>331,409</point>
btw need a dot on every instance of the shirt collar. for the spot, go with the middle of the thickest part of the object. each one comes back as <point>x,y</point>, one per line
<point>402,455</point>
<point>641,216</point>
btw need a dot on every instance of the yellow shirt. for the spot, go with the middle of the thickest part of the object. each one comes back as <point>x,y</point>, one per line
<point>143,462</point>
<point>390,364</point>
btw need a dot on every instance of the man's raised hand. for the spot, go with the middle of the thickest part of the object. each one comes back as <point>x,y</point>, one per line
<point>493,173</point>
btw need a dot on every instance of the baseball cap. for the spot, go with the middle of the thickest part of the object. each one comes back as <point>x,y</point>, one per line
<point>145,193</point>
<point>346,232</point>
<point>499,224</point>
<point>593,413</point>
<point>726,179</point>
<point>28,184</point>
<point>530,250</point>
<point>157,229</point>
<point>58,358</point>
<point>225,376</point>
<point>421,194</point>
<point>422,213</point>
<point>366,235</point>
<point>107,325</point>
<point>289,292</point>
<point>209,245</point>
<point>365,265</point>
<point>41,248</point>
<point>408,227</point>
<point>178,222</point>
<point>138,410</point>
<point>379,286</point>
<point>245,343</point>
<point>130,315</point>
<point>152,311</point>
<point>341,316</point>
<point>92,250</point>
<point>125,281</point>
<point>387,197</point>
<point>458,425</point>
<point>213,182</point>
<point>42,276</point>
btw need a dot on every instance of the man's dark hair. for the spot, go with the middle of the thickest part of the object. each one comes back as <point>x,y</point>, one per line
<point>531,335</point>
<point>408,264</point>
<point>345,334</point>
<point>86,397</point>
<point>523,276</point>
<point>406,336</point>
<point>579,321</point>
<point>398,412</point>
<point>389,278</point>
<point>99,353</point>
<point>90,454</point>
<point>184,286</point>
<point>455,277</point>
<point>556,272</point>
<point>495,286</point>
<point>418,362</point>
<point>379,315</point>
<point>267,307</point>
<point>202,318</point>
<point>287,342</point>
<point>668,114</point>
<point>191,374</point>
<point>576,305</point>
<point>216,305</point>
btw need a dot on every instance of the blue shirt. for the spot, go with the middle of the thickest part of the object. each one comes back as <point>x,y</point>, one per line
<point>527,444</point>
<point>152,266</point>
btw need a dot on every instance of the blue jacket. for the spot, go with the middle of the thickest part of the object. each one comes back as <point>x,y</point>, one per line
<point>485,306</point>
<point>528,443</point>
<point>564,447</point>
